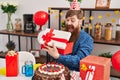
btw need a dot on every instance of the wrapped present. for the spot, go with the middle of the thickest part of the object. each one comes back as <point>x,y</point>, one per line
<point>62,77</point>
<point>75,75</point>
<point>95,68</point>
<point>59,38</point>
<point>11,63</point>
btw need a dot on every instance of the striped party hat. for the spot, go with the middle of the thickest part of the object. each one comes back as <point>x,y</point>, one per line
<point>75,5</point>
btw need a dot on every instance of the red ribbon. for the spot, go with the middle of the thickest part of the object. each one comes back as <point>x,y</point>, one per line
<point>49,36</point>
<point>90,70</point>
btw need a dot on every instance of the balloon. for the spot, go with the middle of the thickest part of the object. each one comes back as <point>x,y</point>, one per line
<point>40,18</point>
<point>116,61</point>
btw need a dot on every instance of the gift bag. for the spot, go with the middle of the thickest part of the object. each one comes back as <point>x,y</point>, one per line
<point>12,64</point>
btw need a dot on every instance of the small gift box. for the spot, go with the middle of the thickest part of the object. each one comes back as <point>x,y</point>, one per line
<point>59,38</point>
<point>11,63</point>
<point>95,68</point>
<point>73,76</point>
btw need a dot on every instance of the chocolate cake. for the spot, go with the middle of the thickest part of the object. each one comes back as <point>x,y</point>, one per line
<point>51,71</point>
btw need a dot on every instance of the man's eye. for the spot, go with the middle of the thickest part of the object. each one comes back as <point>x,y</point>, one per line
<point>72,20</point>
<point>67,20</point>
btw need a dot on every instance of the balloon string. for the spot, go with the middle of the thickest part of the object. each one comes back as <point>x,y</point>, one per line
<point>40,28</point>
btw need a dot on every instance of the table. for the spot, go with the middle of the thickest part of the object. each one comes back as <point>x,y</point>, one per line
<point>22,77</point>
<point>19,77</point>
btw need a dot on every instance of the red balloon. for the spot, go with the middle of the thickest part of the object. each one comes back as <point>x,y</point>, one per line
<point>40,17</point>
<point>116,61</point>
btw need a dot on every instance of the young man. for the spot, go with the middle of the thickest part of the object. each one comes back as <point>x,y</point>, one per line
<point>83,42</point>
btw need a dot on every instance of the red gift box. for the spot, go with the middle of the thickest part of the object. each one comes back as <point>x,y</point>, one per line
<point>12,65</point>
<point>95,68</point>
<point>65,51</point>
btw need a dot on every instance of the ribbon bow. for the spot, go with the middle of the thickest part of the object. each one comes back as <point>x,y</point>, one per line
<point>84,67</point>
<point>49,36</point>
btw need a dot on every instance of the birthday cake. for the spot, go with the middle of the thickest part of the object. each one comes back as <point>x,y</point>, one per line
<point>51,71</point>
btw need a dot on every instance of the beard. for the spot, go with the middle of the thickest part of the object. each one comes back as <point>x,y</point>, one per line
<point>75,32</point>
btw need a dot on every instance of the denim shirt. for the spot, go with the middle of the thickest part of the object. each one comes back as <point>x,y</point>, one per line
<point>82,48</point>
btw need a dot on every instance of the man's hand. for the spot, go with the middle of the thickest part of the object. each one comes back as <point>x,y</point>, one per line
<point>52,50</point>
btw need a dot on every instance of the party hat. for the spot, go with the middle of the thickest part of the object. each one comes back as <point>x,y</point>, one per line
<point>75,5</point>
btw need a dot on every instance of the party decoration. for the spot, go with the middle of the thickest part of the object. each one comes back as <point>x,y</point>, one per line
<point>72,1</point>
<point>108,14</point>
<point>83,18</point>
<point>113,20</point>
<point>117,12</point>
<point>75,5</point>
<point>91,17</point>
<point>90,27</point>
<point>116,60</point>
<point>61,13</point>
<point>99,17</point>
<point>40,18</point>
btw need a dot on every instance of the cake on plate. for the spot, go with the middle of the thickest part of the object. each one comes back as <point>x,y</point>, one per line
<point>51,71</point>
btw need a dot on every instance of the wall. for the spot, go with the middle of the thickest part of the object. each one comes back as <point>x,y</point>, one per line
<point>31,6</point>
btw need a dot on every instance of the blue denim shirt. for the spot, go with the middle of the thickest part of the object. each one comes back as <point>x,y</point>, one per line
<point>82,48</point>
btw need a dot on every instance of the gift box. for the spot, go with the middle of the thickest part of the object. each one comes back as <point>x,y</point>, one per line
<point>59,38</point>
<point>11,64</point>
<point>74,75</point>
<point>95,68</point>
